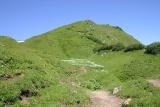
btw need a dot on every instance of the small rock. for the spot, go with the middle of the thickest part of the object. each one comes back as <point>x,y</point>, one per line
<point>115,90</point>
<point>127,101</point>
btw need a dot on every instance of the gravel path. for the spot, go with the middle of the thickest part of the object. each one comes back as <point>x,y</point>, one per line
<point>156,83</point>
<point>104,99</point>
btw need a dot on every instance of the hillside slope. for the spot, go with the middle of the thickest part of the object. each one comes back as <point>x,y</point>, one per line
<point>79,38</point>
<point>60,69</point>
<point>6,41</point>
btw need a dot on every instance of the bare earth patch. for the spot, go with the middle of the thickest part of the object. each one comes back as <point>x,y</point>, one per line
<point>11,77</point>
<point>156,83</point>
<point>104,99</point>
<point>24,100</point>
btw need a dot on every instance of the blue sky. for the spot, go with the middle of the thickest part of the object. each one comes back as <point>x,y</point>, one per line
<point>22,19</point>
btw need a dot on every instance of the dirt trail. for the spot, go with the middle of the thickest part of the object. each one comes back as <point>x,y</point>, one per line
<point>104,99</point>
<point>156,83</point>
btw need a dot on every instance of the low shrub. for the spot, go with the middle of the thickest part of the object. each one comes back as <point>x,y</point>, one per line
<point>153,48</point>
<point>115,47</point>
<point>9,94</point>
<point>102,48</point>
<point>134,47</point>
<point>142,93</point>
<point>91,84</point>
<point>139,69</point>
<point>118,47</point>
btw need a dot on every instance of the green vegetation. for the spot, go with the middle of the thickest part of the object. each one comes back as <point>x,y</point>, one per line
<point>85,35</point>
<point>134,47</point>
<point>138,68</point>
<point>142,93</point>
<point>59,67</point>
<point>153,48</point>
<point>114,47</point>
<point>7,42</point>
<point>91,84</point>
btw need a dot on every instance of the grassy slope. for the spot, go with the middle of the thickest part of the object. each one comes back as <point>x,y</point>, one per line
<point>131,72</point>
<point>60,84</point>
<point>26,69</point>
<point>72,40</point>
<point>6,41</point>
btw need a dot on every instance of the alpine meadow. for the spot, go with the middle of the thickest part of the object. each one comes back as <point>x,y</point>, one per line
<point>82,64</point>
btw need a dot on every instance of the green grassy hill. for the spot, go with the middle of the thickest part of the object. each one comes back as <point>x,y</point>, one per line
<point>6,41</point>
<point>58,68</point>
<point>79,38</point>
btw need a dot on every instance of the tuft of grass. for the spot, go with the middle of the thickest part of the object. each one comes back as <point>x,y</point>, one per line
<point>91,84</point>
